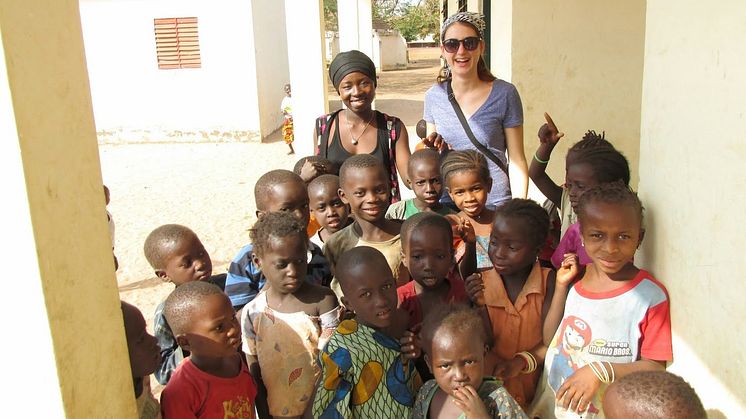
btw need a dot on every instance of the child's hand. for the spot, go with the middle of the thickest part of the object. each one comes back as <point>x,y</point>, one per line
<point>434,140</point>
<point>509,369</point>
<point>467,399</point>
<point>568,270</point>
<point>578,390</point>
<point>475,288</point>
<point>410,346</point>
<point>462,228</point>
<point>310,170</point>
<point>549,133</point>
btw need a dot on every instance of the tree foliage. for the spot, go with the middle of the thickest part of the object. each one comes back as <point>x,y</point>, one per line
<point>414,19</point>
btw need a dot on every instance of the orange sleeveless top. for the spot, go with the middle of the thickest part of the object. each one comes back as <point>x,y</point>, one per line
<point>515,328</point>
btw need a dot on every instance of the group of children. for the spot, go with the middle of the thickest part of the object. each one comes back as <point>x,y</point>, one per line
<point>352,307</point>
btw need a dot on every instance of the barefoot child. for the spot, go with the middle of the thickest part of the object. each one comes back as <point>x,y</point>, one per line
<point>615,320</point>
<point>425,181</point>
<point>144,359</point>
<point>365,368</point>
<point>515,296</point>
<point>176,255</point>
<point>468,183</point>
<point>275,191</point>
<point>364,185</point>
<point>289,321</point>
<point>455,344</point>
<point>214,382</point>
<point>327,207</point>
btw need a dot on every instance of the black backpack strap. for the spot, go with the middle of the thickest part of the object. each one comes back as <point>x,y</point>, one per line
<point>487,153</point>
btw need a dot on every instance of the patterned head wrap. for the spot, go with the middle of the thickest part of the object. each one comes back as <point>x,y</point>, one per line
<point>350,62</point>
<point>476,20</point>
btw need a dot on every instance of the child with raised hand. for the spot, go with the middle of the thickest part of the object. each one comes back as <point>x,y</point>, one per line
<point>289,321</point>
<point>327,207</point>
<point>145,356</point>
<point>615,320</point>
<point>652,395</point>
<point>177,256</point>
<point>455,343</point>
<point>468,183</point>
<point>275,191</point>
<point>365,368</point>
<point>365,187</point>
<point>584,168</point>
<point>214,382</point>
<point>515,295</point>
<point>425,181</point>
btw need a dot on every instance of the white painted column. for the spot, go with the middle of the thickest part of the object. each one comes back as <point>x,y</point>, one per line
<point>474,6</point>
<point>452,6</point>
<point>356,26</point>
<point>305,35</point>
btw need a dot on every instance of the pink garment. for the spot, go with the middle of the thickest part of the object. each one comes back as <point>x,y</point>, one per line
<point>572,242</point>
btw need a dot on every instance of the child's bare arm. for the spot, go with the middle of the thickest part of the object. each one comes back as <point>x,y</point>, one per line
<point>579,388</point>
<point>549,135</point>
<point>565,277</point>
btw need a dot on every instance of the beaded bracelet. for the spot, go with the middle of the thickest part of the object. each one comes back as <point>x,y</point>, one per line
<point>536,157</point>
<point>531,363</point>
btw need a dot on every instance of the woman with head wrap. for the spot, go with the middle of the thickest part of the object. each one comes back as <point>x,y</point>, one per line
<point>357,128</point>
<point>491,107</point>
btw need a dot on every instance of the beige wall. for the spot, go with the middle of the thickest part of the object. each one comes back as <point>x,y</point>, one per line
<point>692,154</point>
<point>579,60</point>
<point>64,351</point>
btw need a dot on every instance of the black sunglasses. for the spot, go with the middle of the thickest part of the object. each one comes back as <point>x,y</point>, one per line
<point>470,44</point>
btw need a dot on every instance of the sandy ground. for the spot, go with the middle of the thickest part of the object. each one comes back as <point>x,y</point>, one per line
<point>209,186</point>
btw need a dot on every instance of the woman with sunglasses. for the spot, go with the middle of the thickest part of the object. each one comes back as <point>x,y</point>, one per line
<point>491,108</point>
<point>357,128</point>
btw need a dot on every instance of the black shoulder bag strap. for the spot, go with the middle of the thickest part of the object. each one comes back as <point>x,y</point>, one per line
<point>489,154</point>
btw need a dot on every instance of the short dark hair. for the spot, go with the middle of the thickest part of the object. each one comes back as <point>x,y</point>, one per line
<point>275,224</point>
<point>263,186</point>
<point>183,302</point>
<point>324,181</point>
<point>360,161</point>
<point>161,240</point>
<point>355,259</point>
<point>464,160</point>
<point>422,219</point>
<point>425,154</point>
<point>659,395</point>
<point>535,216</point>
<point>452,317</point>
<point>607,163</point>
<point>616,193</point>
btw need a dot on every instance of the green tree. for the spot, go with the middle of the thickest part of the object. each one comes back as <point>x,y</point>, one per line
<point>418,20</point>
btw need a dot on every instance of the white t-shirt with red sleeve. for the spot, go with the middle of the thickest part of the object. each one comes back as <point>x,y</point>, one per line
<point>620,326</point>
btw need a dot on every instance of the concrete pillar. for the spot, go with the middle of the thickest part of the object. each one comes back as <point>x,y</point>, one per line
<point>452,6</point>
<point>308,75</point>
<point>356,26</point>
<point>474,6</point>
<point>60,304</point>
<point>691,183</point>
<point>272,73</point>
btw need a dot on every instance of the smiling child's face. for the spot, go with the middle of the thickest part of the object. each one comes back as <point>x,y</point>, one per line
<point>328,208</point>
<point>428,255</point>
<point>367,192</point>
